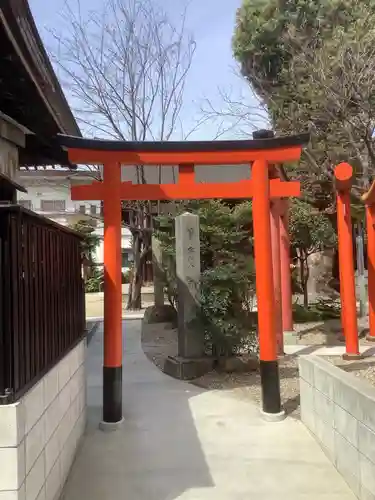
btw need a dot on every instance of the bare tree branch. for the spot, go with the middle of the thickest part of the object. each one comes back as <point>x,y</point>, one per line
<point>126,69</point>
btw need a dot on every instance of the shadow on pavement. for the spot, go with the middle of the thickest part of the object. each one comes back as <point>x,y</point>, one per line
<point>157,454</point>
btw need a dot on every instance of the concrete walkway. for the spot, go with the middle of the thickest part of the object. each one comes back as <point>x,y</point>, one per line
<point>181,442</point>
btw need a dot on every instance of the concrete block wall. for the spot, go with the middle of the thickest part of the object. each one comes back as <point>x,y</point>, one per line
<point>339,410</point>
<point>39,434</point>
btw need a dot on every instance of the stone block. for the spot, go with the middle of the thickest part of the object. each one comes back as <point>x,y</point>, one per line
<point>367,474</point>
<point>64,400</point>
<point>75,436</point>
<point>323,381</point>
<point>52,451</point>
<point>66,459</point>
<point>81,376</point>
<point>307,405</point>
<point>323,407</point>
<point>326,436</point>
<point>64,429</point>
<point>53,482</point>
<point>35,479</point>
<point>74,411</point>
<point>291,338</point>
<point>187,369</point>
<point>366,442</point>
<point>367,410</point>
<point>52,417</point>
<point>82,399</point>
<point>81,423</point>
<point>64,372</point>
<point>35,442</point>
<point>12,467</point>
<point>160,314</point>
<point>51,386</point>
<point>14,494</point>
<point>346,425</point>
<point>81,352</point>
<point>42,494</point>
<point>347,462</point>
<point>365,494</point>
<point>75,385</point>
<point>347,397</point>
<point>73,361</point>
<point>306,369</point>
<point>34,405</point>
<point>12,424</point>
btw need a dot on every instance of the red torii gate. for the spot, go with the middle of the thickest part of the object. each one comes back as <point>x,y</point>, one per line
<point>262,153</point>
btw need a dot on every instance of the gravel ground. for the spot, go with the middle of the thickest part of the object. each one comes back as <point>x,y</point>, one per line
<point>327,333</point>
<point>160,341</point>
<point>247,385</point>
<point>362,368</point>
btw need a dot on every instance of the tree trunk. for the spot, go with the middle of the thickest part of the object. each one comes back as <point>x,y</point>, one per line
<point>305,296</point>
<point>304,277</point>
<point>135,288</point>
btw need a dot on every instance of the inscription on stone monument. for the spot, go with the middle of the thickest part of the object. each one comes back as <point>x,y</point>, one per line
<point>190,343</point>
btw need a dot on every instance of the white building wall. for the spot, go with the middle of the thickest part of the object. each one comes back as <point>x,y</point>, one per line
<point>40,189</point>
<point>39,434</point>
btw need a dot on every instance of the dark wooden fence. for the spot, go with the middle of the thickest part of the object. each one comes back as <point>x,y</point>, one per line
<point>42,305</point>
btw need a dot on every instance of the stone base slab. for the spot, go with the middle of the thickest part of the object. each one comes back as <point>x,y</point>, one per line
<point>187,369</point>
<point>290,338</point>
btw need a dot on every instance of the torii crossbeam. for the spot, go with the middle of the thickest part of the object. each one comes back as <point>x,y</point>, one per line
<point>262,154</point>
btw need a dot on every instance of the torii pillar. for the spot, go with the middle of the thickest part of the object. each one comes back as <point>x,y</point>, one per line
<point>369,201</point>
<point>261,154</point>
<point>112,363</point>
<point>344,179</point>
<point>275,220</point>
<point>286,275</point>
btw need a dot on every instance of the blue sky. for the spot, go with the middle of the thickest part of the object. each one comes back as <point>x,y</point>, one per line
<point>211,22</point>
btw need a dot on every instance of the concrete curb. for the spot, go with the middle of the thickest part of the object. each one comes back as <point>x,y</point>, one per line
<point>337,408</point>
<point>273,417</point>
<point>100,319</point>
<point>319,350</point>
<point>93,329</point>
<point>111,426</point>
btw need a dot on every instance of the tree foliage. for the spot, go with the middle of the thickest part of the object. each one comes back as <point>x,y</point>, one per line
<point>310,233</point>
<point>90,241</point>
<point>312,64</point>
<point>227,273</point>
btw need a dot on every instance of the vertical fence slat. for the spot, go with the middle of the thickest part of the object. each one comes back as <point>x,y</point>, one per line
<point>41,298</point>
<point>37,295</point>
<point>17,342</point>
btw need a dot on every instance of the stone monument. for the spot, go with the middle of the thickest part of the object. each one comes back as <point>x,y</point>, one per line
<point>188,271</point>
<point>190,362</point>
<point>157,263</point>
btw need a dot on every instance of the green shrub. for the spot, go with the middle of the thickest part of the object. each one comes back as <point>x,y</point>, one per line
<point>95,283</point>
<point>322,310</point>
<point>225,314</point>
<point>227,284</point>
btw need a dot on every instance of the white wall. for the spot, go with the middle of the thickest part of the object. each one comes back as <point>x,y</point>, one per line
<point>40,188</point>
<point>53,192</point>
<point>39,434</point>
